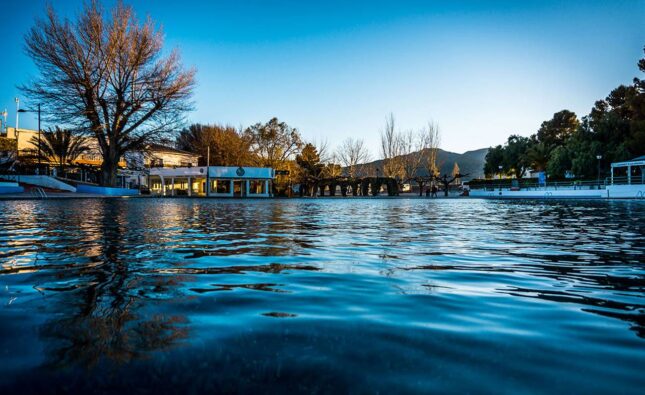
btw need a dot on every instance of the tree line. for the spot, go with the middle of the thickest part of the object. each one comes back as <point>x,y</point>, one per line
<point>565,145</point>
<point>407,155</point>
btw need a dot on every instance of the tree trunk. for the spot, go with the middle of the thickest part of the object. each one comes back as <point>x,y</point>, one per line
<point>108,170</point>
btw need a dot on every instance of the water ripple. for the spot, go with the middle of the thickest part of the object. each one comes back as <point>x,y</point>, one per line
<point>398,295</point>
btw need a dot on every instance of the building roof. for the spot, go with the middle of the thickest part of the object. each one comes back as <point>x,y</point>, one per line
<point>216,172</point>
<point>164,148</point>
<point>640,161</point>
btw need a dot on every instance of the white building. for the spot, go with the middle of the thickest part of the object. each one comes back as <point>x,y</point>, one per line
<point>157,155</point>
<point>215,181</point>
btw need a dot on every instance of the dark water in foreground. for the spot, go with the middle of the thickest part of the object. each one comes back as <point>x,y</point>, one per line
<point>358,295</point>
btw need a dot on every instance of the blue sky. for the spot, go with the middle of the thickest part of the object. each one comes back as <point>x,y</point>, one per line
<point>481,70</point>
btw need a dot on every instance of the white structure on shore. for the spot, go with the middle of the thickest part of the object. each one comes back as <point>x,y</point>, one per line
<point>214,181</point>
<point>627,182</point>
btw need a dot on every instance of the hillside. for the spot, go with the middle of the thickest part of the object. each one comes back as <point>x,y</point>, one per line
<point>470,162</point>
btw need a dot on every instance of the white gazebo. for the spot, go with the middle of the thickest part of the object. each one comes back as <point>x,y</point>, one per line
<point>637,163</point>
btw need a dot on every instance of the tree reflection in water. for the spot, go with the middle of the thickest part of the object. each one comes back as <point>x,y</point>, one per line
<point>105,317</point>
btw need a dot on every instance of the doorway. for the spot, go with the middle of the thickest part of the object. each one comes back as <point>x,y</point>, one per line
<point>238,189</point>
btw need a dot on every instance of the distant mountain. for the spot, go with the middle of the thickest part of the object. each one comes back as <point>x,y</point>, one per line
<point>470,162</point>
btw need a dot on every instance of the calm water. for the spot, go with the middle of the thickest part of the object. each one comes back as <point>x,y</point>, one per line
<point>363,295</point>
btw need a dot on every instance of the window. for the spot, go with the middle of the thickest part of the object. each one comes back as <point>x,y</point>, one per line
<point>256,187</point>
<point>221,186</point>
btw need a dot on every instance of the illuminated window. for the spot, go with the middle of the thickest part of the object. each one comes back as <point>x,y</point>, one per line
<point>256,187</point>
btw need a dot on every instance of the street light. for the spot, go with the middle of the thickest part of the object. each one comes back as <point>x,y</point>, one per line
<point>38,111</point>
<point>17,100</point>
<point>500,167</point>
<point>599,157</point>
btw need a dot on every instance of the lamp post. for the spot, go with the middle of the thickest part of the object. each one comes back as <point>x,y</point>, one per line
<point>37,111</point>
<point>500,167</point>
<point>599,157</point>
<point>208,164</point>
<point>17,100</point>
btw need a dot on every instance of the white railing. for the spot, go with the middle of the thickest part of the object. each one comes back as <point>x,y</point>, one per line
<point>39,193</point>
<point>549,186</point>
<point>635,180</point>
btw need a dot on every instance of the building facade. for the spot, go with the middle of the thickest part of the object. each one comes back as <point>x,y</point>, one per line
<point>154,155</point>
<point>213,181</point>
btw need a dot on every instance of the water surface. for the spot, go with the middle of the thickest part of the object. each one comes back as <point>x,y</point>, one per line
<point>316,295</point>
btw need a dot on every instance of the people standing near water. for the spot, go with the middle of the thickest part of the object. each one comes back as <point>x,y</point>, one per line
<point>434,190</point>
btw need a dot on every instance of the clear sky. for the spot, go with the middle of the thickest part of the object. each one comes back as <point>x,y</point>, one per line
<point>481,70</point>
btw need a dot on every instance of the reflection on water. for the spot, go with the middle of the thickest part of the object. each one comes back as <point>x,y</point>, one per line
<point>309,295</point>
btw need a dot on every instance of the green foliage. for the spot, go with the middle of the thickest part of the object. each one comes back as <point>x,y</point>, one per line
<point>559,162</point>
<point>538,154</point>
<point>515,160</point>
<point>494,159</point>
<point>558,129</point>
<point>309,162</point>
<point>512,156</point>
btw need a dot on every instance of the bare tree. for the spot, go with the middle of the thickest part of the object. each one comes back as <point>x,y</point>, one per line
<point>322,147</point>
<point>411,154</point>
<point>430,138</point>
<point>407,155</point>
<point>352,154</point>
<point>328,158</point>
<point>391,149</point>
<point>104,73</point>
